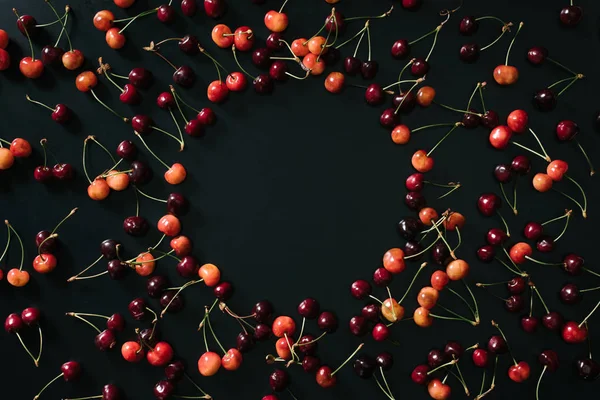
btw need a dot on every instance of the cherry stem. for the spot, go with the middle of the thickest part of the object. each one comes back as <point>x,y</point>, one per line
<point>178,97</point>
<point>422,251</point>
<point>35,361</point>
<point>424,36</point>
<point>369,43</point>
<point>482,384</point>
<point>360,346</point>
<point>50,237</point>
<point>238,63</point>
<point>457,317</point>
<point>26,34</point>
<point>573,200</point>
<point>37,396</point>
<point>537,139</point>
<point>505,29</point>
<point>461,379</point>
<point>86,398</point>
<point>75,277</point>
<point>437,32</point>
<point>481,97</point>
<point>457,110</point>
<point>169,254</point>
<point>553,61</point>
<point>190,283</point>
<point>568,216</point>
<point>84,320</point>
<point>584,208</point>
<point>20,243</point>
<point>107,107</point>
<point>362,35</point>
<point>384,15</point>
<point>360,32</point>
<point>163,255</point>
<point>569,79</point>
<point>148,196</point>
<point>589,315</point>
<point>53,22</point>
<point>456,125</point>
<point>151,152</point>
<point>495,325</point>
<point>163,57</point>
<point>537,387</point>
<point>166,40</point>
<point>504,223</point>
<point>542,262</point>
<point>491,17</point>
<point>330,17</point>
<point>444,240</point>
<point>132,19</point>
<point>63,23</point>
<point>458,234</point>
<point>575,79</point>
<point>512,42</point>
<point>201,325</point>
<point>387,394</point>
<point>7,243</point>
<point>433,126</point>
<point>105,68</point>
<point>180,140</point>
<point>493,384</point>
<point>215,62</point>
<point>537,292</point>
<point>476,311</point>
<point>78,278</point>
<point>479,84</point>
<point>196,386</point>
<point>91,315</point>
<point>213,332</point>
<point>589,289</point>
<point>587,158</point>
<point>408,64</point>
<point>510,203</point>
<point>449,363</point>
<point>406,94</point>
<point>283,5</point>
<point>39,103</point>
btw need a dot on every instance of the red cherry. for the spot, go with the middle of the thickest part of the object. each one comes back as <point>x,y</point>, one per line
<point>217,91</point>
<point>517,121</point>
<point>160,355</point>
<point>31,68</point>
<point>556,170</point>
<point>236,81</point>
<point>519,252</point>
<point>519,372</point>
<point>573,333</point>
<point>500,137</point>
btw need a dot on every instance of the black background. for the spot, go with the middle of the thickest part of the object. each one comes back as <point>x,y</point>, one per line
<point>293,195</point>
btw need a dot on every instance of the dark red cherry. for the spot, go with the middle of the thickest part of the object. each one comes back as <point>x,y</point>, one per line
<point>360,289</point>
<point>469,52</point>
<point>263,84</point>
<point>406,101</point>
<point>490,119</point>
<point>521,165</point>
<point>150,336</point>
<point>44,244</point>
<point>279,380</point>
<point>111,392</point>
<point>116,323</point>
<point>327,322</point>
<point>127,150</point>
<point>335,23</point>
<point>587,369</point>
<point>382,277</point>
<point>569,294</point>
<point>503,173</point>
<point>61,114</point>
<point>52,55</point>
<point>545,244</point>
<point>177,204</point>
<point>471,120</point>
<point>332,56</point>
<point>141,78</point>
<point>307,344</point>
<point>419,67</point>
<point>13,323</point>
<point>497,345</point>
<point>516,285</point>
<point>163,389</point>
<point>311,364</point>
<point>140,172</point>
<point>537,55</point>
<point>515,303</point>
<point>400,49</point>
<point>371,312</point>
<point>364,366</point>
<point>274,42</point>
<point>374,94</point>
<point>385,361</point>
<point>262,332</point>
<point>130,95</point>
<point>206,116</point>
<point>278,71</point>
<point>165,100</point>
<point>453,349</point>
<point>573,264</point>
<point>188,267</point>
<point>486,253</point>
<point>175,370</point>
<point>419,374</point>
<point>413,247</point>
<point>63,171</point>
<point>552,321</point>
<point>488,203</point>
<point>529,323</point>
<point>155,285</point>
<point>570,16</point>
<point>436,357</point>
<point>184,76</point>
<point>136,226</point>
<point>138,308</point>
<point>566,130</point>
<point>143,123</point>
<point>71,371</point>
<point>261,57</point>
<point>389,118</point>
<point>215,8</point>
<point>369,69</point>
<point>468,25</point>
<point>409,227</point>
<point>496,236</point>
<point>189,45</point>
<point>188,7</point>
<point>244,342</point>
<point>42,173</point>
<point>262,311</point>
<point>108,248</point>
<point>352,65</point>
<point>165,14</point>
<point>549,359</point>
<point>411,5</point>
<point>544,100</point>
<point>223,291</point>
<point>440,254</point>
<point>31,316</point>
<point>309,308</point>
<point>358,325</point>
<point>27,25</point>
<point>105,340</point>
<point>117,270</point>
<point>173,300</point>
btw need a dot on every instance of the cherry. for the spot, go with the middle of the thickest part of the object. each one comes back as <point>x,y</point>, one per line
<point>421,161</point>
<point>278,70</point>
<point>544,100</point>
<point>496,236</point>
<point>52,55</point>
<point>439,280</point>
<point>358,325</point>
<point>309,364</point>
<point>20,148</point>
<point>262,332</point>
<point>44,263</point>
<point>136,226</point>
<point>500,137</point>
<point>569,294</point>
<point>440,254</point>
<point>573,333</point>
<point>486,253</point>
<point>480,358</point>
<point>327,322</point>
<point>116,269</point>
<point>334,83</point>
<point>415,200</point>
<point>438,390</point>
<point>31,316</point>
<point>188,267</point>
<point>163,389</point>
<point>409,227</point>
<point>105,340</point>
<point>380,332</point>
<point>537,55</point>
<point>175,370</point>
<point>490,119</point>
<point>263,84</point>
<point>274,41</point>
<point>140,172</point>
<point>542,182</point>
<point>497,345</point>
<point>552,321</point>
<point>188,7</point>
<point>587,369</point>
<point>436,357</point>
<point>521,165</point>
<point>279,380</point>
<point>360,289</point>
<point>308,308</point>
<point>545,244</point>
<point>468,25</point>
<point>27,25</point>
<point>570,16</point>
<point>171,299</point>
<point>215,8</point>
<point>283,325</point>
<point>519,372</point>
<point>382,277</point>
<point>503,173</point>
<point>223,291</point>
<point>165,14</point>
<point>516,285</point>
<point>184,76</point>
<point>4,39</point>
<point>160,355</point>
<point>419,67</point>
<point>262,311</point>
<point>529,323</point>
<point>488,204</point>
<point>141,78</point>
<point>124,3</point>
<point>573,264</point>
<point>111,392</point>
<point>406,101</point>
<point>13,323</point>
<point>155,285</point>
<point>419,374</point>
<point>261,58</point>
<point>517,121</point>
<point>469,52</point>
<point>70,371</point>
<point>368,69</point>
<point>307,344</point>
<point>411,5</point>
<point>181,245</point>
<point>244,342</point>
<point>364,366</point>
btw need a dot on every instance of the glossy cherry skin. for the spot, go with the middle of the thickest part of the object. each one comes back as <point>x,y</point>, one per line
<point>480,358</point>
<point>490,119</point>
<point>573,264</point>
<point>488,203</point>
<point>503,173</point>
<point>130,95</point>
<point>500,137</point>
<point>71,371</point>
<point>184,76</point>
<point>358,325</point>
<point>327,322</point>
<point>27,25</point>
<point>116,322</point>
<point>436,357</point>
<point>140,172</point>
<point>497,345</point>
<point>545,100</point>
<point>173,300</point>
<point>223,291</point>
<point>215,8</point>
<point>486,253</point>
<point>419,67</point>
<point>519,372</point>
<point>262,332</point>
<point>411,5</point>
<point>570,16</point>
<point>163,389</point>
<point>364,366</point>
<point>261,58</point>
<point>468,25</point>
<point>263,84</point>
<point>63,172</point>
<point>505,75</point>
<point>569,294</point>
<point>155,285</point>
<point>360,289</point>
<point>188,7</point>
<point>105,340</point>
<point>380,332</point>
<point>552,321</point>
<point>13,323</point>
<point>136,226</point>
<point>587,369</point>
<point>309,308</point>
<point>42,174</point>
<point>566,130</point>
<point>279,380</point>
<point>278,71</point>
<point>409,227</point>
<point>262,311</point>
<point>537,55</point>
<point>406,101</point>
<point>352,65</point>
<point>31,316</point>
<point>545,244</point>
<point>141,78</point>
<point>419,374</point>
<point>160,355</point>
<point>324,377</point>
<point>529,323</point>
<point>517,121</point>
<point>165,14</point>
<point>52,55</point>
<point>31,68</point>
<point>516,285</point>
<point>274,42</point>
<point>469,52</point>
<point>382,277</point>
<point>116,269</point>
<point>572,333</point>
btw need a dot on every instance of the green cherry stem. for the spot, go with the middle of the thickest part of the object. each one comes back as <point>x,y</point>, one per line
<point>584,208</point>
<point>151,152</point>
<point>180,289</point>
<point>384,15</point>
<point>457,316</point>
<point>411,283</point>
<point>362,35</point>
<point>512,42</point>
<point>107,107</point>
<point>449,363</point>
<point>35,361</point>
<point>456,125</point>
<point>408,64</point>
<point>63,23</point>
<point>568,216</point>
<point>557,218</point>
<point>53,22</point>
<point>132,19</point>
<point>78,316</point>
<point>360,346</point>
<point>505,29</point>
<point>493,384</point>
<point>537,387</point>
<point>178,97</point>
<point>359,33</point>
<point>433,126</point>
<point>575,79</point>
<point>213,332</point>
<point>495,325</point>
<point>587,158</point>
<point>20,243</point>
<point>537,292</point>
<point>553,61</point>
<point>7,243</point>
<point>75,277</point>
<point>537,139</point>
<point>239,65</point>
<point>406,94</point>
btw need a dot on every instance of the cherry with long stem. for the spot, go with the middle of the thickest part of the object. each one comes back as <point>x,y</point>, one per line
<point>492,384</point>
<point>93,139</point>
<point>64,29</point>
<point>179,290</point>
<point>20,244</point>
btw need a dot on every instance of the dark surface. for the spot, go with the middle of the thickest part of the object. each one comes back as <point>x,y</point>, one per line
<point>293,195</point>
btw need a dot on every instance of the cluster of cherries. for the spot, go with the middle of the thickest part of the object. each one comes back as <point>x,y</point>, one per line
<point>29,318</point>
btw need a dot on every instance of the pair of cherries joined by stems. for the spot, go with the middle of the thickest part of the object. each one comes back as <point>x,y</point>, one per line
<point>18,148</point>
<point>468,26</point>
<point>29,317</point>
<point>60,171</point>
